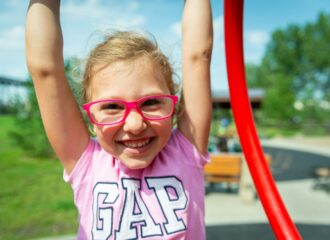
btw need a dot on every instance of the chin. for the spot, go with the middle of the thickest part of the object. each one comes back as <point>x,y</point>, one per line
<point>136,164</point>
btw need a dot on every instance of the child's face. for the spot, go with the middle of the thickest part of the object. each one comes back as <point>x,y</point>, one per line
<point>136,141</point>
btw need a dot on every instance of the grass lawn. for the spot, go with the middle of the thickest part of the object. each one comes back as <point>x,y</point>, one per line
<point>34,200</point>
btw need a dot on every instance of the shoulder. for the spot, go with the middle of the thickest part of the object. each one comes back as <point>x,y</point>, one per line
<point>92,158</point>
<point>180,147</point>
<point>93,150</point>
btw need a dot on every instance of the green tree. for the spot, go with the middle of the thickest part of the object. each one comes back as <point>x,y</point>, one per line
<point>295,72</point>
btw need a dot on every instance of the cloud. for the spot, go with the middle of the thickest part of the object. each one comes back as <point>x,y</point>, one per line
<point>134,5</point>
<point>176,28</point>
<point>118,13</point>
<point>255,42</point>
<point>124,21</point>
<point>14,3</point>
<point>257,37</point>
<point>83,10</point>
<point>12,38</point>
<point>85,23</point>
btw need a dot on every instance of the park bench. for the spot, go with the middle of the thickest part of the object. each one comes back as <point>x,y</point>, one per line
<point>226,168</point>
<point>223,168</point>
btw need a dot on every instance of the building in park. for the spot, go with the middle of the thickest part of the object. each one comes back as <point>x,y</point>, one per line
<point>223,133</point>
<point>221,99</point>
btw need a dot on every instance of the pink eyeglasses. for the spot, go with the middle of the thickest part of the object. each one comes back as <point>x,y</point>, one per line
<point>112,111</point>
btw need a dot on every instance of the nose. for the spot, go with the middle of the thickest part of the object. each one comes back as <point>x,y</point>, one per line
<point>134,122</point>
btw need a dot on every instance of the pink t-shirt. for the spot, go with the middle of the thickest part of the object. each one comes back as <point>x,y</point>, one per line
<point>163,201</point>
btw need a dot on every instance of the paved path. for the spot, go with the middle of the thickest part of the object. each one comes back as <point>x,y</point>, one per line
<point>319,145</point>
<point>228,217</point>
<point>304,204</point>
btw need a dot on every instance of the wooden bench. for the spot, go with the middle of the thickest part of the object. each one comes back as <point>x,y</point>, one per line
<point>223,168</point>
<point>226,168</point>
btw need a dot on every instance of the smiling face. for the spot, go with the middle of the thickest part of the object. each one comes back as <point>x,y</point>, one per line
<point>136,141</point>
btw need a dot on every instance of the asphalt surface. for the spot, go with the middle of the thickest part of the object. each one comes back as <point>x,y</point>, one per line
<point>263,232</point>
<point>290,165</point>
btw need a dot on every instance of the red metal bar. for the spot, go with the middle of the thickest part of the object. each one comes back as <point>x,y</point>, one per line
<point>273,205</point>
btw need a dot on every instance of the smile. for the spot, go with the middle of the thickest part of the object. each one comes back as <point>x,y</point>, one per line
<point>136,143</point>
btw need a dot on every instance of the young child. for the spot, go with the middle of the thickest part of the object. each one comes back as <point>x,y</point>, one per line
<point>139,178</point>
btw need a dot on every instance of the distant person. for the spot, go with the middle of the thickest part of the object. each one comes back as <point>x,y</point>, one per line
<point>222,144</point>
<point>139,178</point>
<point>222,135</point>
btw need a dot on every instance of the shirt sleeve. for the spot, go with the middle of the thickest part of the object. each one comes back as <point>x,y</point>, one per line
<point>81,171</point>
<point>193,156</point>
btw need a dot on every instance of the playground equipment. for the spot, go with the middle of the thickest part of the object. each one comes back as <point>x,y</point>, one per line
<point>276,212</point>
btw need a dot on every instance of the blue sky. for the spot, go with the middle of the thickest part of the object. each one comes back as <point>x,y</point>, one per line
<point>83,22</point>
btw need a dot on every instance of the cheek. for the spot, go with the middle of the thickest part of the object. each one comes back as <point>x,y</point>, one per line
<point>168,127</point>
<point>106,134</point>
<point>163,128</point>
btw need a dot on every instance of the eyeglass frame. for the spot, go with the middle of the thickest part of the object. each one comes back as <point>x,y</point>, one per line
<point>128,107</point>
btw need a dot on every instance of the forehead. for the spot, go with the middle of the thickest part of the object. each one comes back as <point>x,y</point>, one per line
<point>129,79</point>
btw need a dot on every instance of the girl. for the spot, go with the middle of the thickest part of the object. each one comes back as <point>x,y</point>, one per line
<point>138,178</point>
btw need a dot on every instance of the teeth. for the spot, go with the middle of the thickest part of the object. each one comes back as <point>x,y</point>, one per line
<point>136,144</point>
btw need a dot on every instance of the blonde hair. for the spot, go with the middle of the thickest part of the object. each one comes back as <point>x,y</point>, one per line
<point>123,46</point>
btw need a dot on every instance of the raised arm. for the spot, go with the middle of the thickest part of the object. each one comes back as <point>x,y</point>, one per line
<point>60,113</point>
<point>197,42</point>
